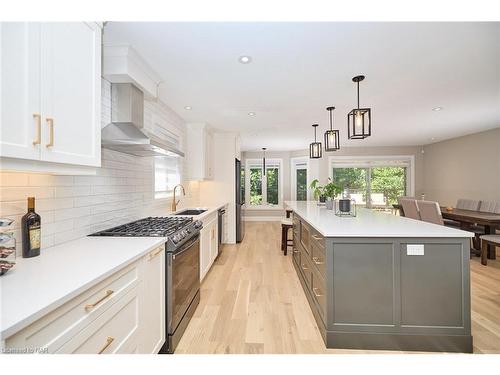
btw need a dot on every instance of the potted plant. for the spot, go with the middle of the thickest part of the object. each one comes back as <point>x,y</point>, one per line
<point>318,192</point>
<point>330,191</point>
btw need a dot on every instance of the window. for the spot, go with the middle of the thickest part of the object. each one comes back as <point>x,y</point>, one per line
<point>167,175</point>
<point>263,189</point>
<point>374,182</point>
<point>299,179</point>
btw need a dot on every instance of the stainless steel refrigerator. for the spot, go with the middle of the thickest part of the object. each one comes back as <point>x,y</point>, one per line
<point>240,200</point>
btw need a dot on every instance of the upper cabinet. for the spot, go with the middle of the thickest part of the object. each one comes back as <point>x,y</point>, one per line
<point>199,147</point>
<point>50,106</point>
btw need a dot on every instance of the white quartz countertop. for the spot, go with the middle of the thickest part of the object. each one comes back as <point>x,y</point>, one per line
<point>36,286</point>
<point>368,223</point>
<point>210,209</point>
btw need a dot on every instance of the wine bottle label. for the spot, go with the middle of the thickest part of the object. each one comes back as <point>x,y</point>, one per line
<point>35,234</point>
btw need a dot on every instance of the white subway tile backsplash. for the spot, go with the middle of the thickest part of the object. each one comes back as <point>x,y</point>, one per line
<point>22,193</point>
<point>71,191</point>
<point>13,179</point>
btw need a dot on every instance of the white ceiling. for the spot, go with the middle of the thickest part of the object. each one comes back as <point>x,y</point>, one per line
<point>299,69</point>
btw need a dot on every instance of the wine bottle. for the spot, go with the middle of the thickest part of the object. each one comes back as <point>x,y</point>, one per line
<point>31,231</point>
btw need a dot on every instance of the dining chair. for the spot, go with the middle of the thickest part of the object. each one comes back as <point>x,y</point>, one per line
<point>430,212</point>
<point>410,208</point>
<point>488,206</point>
<point>468,204</point>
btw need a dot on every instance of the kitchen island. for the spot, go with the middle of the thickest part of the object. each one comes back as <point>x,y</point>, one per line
<point>380,281</point>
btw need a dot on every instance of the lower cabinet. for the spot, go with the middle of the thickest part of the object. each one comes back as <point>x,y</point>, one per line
<point>152,302</point>
<point>209,243</point>
<point>125,313</point>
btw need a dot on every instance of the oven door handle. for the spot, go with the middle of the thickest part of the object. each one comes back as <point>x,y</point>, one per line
<point>186,246</point>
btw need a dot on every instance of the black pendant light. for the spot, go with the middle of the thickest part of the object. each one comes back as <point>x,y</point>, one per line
<point>359,124</point>
<point>315,150</point>
<point>332,137</point>
<point>264,160</point>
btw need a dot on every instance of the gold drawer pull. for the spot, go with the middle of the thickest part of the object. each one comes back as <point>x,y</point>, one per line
<point>92,305</point>
<point>155,253</point>
<point>317,260</point>
<point>304,268</point>
<point>295,251</point>
<point>109,340</point>
<point>50,122</point>
<point>316,294</point>
<point>317,238</point>
<point>38,120</point>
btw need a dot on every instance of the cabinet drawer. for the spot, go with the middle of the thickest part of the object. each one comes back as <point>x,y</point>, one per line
<point>296,252</point>
<point>56,328</point>
<point>305,234</point>
<point>319,292</point>
<point>318,258</point>
<point>114,331</point>
<point>305,267</point>
<point>317,239</point>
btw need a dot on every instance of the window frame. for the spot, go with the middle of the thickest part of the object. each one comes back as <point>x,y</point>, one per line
<point>249,163</point>
<point>294,163</point>
<point>369,162</point>
<point>165,194</point>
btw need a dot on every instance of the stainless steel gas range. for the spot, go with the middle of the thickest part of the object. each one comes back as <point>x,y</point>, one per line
<point>182,276</point>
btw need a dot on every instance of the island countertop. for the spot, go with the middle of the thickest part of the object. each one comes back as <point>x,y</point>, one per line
<point>369,223</point>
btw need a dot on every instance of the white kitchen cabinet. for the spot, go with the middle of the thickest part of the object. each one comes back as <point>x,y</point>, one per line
<point>199,147</point>
<point>209,244</point>
<point>51,92</point>
<point>125,313</point>
<point>20,89</point>
<point>152,302</point>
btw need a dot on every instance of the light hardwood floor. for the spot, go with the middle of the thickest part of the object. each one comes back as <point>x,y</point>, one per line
<point>252,302</point>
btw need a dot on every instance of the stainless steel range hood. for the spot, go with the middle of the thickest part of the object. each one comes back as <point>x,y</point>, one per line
<point>126,131</point>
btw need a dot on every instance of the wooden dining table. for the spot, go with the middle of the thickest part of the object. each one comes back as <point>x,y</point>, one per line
<point>490,221</point>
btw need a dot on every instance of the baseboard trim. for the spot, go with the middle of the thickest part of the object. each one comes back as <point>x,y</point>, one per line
<point>262,218</point>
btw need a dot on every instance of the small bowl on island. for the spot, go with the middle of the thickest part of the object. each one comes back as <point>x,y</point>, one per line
<point>449,209</point>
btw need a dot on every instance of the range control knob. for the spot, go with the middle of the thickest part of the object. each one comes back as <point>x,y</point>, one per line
<point>198,224</point>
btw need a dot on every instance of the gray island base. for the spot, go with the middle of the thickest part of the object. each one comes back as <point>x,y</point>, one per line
<point>379,281</point>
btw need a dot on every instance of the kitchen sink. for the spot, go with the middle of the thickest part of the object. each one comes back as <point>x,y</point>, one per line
<point>191,212</point>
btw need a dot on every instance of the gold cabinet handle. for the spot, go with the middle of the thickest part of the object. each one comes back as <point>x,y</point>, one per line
<point>155,253</point>
<point>304,268</point>
<point>317,238</point>
<point>109,340</point>
<point>38,120</point>
<point>316,260</point>
<point>92,305</point>
<point>50,123</point>
<point>316,294</point>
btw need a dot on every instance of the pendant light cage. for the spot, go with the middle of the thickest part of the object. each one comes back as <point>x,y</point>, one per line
<point>315,149</point>
<point>332,137</point>
<point>359,124</point>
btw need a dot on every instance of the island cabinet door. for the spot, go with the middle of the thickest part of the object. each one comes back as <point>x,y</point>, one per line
<point>435,285</point>
<point>363,282</point>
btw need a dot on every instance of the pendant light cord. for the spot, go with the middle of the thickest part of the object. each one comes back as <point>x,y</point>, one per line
<point>358,94</point>
<point>331,125</point>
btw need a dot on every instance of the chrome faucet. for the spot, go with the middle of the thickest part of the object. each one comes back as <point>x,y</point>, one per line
<point>174,203</point>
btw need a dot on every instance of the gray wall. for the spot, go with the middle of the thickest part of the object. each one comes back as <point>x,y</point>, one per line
<point>465,167</point>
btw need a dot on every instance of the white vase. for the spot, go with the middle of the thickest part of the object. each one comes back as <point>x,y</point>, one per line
<point>329,204</point>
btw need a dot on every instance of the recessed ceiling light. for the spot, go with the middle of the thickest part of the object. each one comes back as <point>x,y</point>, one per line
<point>437,108</point>
<point>245,59</point>
<point>251,113</point>
<point>188,107</point>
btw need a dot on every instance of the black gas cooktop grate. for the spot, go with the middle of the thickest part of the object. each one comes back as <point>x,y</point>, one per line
<point>148,227</point>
